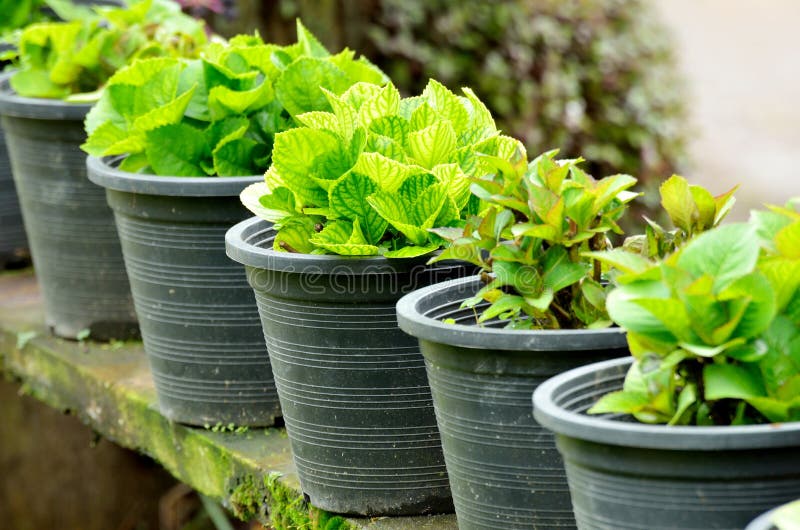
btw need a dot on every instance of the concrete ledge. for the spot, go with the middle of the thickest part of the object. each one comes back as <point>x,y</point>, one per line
<point>109,387</point>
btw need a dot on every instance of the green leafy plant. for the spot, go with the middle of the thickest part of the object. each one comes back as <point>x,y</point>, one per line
<point>74,59</point>
<point>218,114</point>
<point>531,241</point>
<point>714,328</point>
<point>376,174</point>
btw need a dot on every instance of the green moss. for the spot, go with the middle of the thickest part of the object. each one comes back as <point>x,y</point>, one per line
<point>289,512</point>
<point>248,498</point>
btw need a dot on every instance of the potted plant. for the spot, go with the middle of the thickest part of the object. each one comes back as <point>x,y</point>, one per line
<point>714,330</point>
<point>13,243</point>
<point>42,106</point>
<point>194,134</point>
<point>536,309</point>
<point>352,194</point>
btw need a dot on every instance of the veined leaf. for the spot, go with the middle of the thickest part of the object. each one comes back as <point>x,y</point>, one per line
<point>388,174</point>
<point>299,86</point>
<point>384,103</point>
<point>393,127</point>
<point>433,145</point>
<point>360,92</point>
<point>349,199</point>
<point>391,208</point>
<point>294,155</point>
<point>446,104</point>
<point>727,253</point>
<point>295,235</point>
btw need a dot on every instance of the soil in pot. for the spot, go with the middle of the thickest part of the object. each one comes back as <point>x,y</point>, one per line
<point>70,227</point>
<point>198,316</point>
<point>628,475</point>
<point>352,386</point>
<point>504,469</point>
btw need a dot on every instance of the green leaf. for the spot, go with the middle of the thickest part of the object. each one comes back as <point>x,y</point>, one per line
<point>295,235</point>
<point>349,199</point>
<point>725,381</point>
<point>677,200</point>
<point>176,150</point>
<point>411,251</point>
<point>446,104</point>
<point>360,92</point>
<point>622,260</point>
<point>433,145</point>
<point>620,402</point>
<point>726,253</point>
<point>294,154</point>
<point>309,43</point>
<point>394,210</point>
<point>559,271</point>
<point>236,157</point>
<point>388,174</point>
<point>394,127</point>
<point>299,86</point>
<point>224,101</point>
<point>383,104</point>
<point>344,238</point>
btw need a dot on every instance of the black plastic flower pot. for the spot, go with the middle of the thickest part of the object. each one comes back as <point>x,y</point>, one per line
<point>70,227</point>
<point>199,320</point>
<point>13,243</point>
<point>628,475</point>
<point>352,385</point>
<point>504,469</point>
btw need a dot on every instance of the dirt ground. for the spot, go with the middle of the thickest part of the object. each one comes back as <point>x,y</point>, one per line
<point>742,64</point>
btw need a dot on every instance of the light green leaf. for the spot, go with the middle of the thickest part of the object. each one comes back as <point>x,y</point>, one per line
<point>726,253</point>
<point>677,200</point>
<point>388,174</point>
<point>384,103</point>
<point>294,154</point>
<point>446,104</point>
<point>411,251</point>
<point>299,86</point>
<point>348,198</point>
<point>433,145</point>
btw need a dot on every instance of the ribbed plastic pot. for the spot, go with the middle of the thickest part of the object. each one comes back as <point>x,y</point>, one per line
<point>70,227</point>
<point>13,243</point>
<point>199,320</point>
<point>352,386</point>
<point>504,469</point>
<point>628,475</point>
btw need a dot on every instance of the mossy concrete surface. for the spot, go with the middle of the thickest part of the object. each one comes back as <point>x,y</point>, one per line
<point>109,387</point>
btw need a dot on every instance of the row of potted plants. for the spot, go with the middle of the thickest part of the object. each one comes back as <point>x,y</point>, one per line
<point>368,197</point>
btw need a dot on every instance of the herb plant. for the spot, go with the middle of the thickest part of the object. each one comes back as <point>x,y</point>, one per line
<point>217,115</point>
<point>715,327</point>
<point>531,241</point>
<point>378,172</point>
<point>70,59</point>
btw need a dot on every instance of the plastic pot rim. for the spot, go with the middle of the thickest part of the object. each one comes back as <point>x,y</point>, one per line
<point>103,173</point>
<point>599,429</point>
<point>12,104</point>
<point>240,250</point>
<point>415,323</point>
